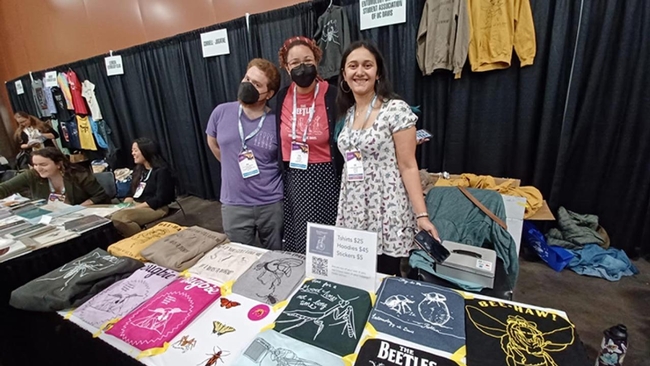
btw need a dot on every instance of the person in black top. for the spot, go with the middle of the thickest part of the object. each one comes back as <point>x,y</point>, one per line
<point>152,189</point>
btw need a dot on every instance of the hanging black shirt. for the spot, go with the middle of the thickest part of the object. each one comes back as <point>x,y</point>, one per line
<point>62,111</point>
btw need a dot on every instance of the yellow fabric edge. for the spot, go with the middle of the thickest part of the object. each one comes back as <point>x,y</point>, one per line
<point>68,314</point>
<point>459,355</point>
<point>372,332</point>
<point>466,295</point>
<point>280,305</point>
<point>226,288</point>
<point>268,327</point>
<point>349,359</point>
<point>153,351</point>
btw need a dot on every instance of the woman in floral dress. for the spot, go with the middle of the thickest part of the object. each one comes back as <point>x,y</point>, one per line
<point>380,187</point>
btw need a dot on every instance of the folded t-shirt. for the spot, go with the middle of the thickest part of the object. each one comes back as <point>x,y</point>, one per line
<point>421,313</point>
<point>272,278</point>
<point>226,262</point>
<point>124,296</point>
<point>183,249</point>
<point>326,315</point>
<point>167,313</point>
<point>226,326</point>
<point>73,283</point>
<point>132,246</point>
<point>272,348</point>
<point>383,352</point>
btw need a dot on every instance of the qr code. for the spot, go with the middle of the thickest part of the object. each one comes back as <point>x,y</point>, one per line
<point>319,266</point>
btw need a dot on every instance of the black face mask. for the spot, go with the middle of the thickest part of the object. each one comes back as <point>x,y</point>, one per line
<point>247,93</point>
<point>303,75</point>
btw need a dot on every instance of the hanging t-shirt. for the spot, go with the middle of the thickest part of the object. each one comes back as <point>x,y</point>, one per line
<point>124,296</point>
<point>62,111</point>
<point>226,326</point>
<point>420,313</point>
<point>86,139</point>
<point>49,100</point>
<point>318,133</point>
<point>59,141</point>
<point>75,90</point>
<point>226,262</point>
<point>501,333</point>
<point>183,249</point>
<point>132,246</point>
<point>272,278</point>
<point>62,80</point>
<point>383,352</point>
<point>73,283</point>
<point>88,92</point>
<point>166,314</point>
<point>271,348</point>
<point>101,142</point>
<point>39,98</point>
<point>327,315</point>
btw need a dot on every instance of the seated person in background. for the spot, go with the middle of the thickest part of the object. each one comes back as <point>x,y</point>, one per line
<point>152,189</point>
<point>56,179</point>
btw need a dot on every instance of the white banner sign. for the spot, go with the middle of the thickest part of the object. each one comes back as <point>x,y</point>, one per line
<point>215,43</point>
<point>344,256</point>
<point>50,79</point>
<point>19,87</point>
<point>114,65</point>
<point>380,13</point>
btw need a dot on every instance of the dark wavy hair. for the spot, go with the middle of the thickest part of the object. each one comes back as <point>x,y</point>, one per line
<point>57,157</point>
<point>150,150</point>
<point>383,86</point>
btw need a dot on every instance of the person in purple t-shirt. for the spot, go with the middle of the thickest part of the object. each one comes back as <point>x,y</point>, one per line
<point>243,137</point>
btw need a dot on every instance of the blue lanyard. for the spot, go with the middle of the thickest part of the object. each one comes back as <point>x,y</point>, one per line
<point>250,135</point>
<point>311,114</point>
<point>368,112</point>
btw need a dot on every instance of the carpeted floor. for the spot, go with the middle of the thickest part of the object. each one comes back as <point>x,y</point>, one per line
<point>593,304</point>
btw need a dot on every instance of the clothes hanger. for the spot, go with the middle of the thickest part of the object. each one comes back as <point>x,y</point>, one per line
<point>329,7</point>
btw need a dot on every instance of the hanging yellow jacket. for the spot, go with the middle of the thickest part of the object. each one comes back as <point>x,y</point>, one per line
<point>495,27</point>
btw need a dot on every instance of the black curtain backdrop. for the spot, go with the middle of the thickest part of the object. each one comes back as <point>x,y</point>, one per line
<point>269,30</point>
<point>572,124</point>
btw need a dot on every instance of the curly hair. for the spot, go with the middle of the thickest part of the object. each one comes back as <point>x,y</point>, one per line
<point>298,41</point>
<point>270,70</point>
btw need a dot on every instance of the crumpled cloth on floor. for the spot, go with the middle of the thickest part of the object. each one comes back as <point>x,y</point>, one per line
<point>575,230</point>
<point>610,264</point>
<point>534,198</point>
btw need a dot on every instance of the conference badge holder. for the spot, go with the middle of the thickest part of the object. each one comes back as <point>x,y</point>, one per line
<point>354,164</point>
<point>248,164</point>
<point>299,155</point>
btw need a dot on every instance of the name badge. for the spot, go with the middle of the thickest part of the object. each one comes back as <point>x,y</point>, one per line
<point>299,155</point>
<point>139,190</point>
<point>54,197</point>
<point>354,165</point>
<point>247,164</point>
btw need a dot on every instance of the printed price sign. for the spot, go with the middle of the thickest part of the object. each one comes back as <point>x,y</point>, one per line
<point>380,13</point>
<point>215,43</point>
<point>344,256</point>
<point>114,65</point>
<point>19,87</point>
<point>50,79</point>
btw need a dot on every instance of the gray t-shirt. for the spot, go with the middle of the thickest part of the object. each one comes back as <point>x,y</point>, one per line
<point>73,283</point>
<point>272,278</point>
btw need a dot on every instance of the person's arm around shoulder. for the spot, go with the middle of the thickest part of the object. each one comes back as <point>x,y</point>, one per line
<point>91,186</point>
<point>17,184</point>
<point>404,138</point>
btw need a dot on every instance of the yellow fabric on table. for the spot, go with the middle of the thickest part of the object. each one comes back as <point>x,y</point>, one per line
<point>132,246</point>
<point>534,198</point>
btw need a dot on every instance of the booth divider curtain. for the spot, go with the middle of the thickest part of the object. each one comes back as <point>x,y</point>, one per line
<point>574,124</point>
